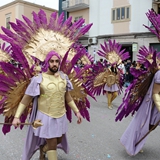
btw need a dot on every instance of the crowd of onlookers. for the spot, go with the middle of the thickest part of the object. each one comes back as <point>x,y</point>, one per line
<point>124,67</point>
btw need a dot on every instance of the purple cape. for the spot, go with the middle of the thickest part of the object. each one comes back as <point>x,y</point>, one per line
<point>139,125</point>
<point>33,142</point>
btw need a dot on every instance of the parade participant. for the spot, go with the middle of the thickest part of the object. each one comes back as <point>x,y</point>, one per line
<point>142,98</point>
<point>147,102</point>
<point>109,80</point>
<point>112,89</point>
<point>44,81</point>
<point>52,94</point>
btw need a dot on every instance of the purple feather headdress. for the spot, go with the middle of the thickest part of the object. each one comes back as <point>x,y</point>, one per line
<point>30,43</point>
<point>39,37</point>
<point>113,53</point>
<point>154,18</point>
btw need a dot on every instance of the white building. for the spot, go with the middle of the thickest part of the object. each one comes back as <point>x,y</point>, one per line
<point>121,20</point>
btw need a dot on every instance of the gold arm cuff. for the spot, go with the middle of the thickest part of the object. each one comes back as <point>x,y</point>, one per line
<point>156,99</point>
<point>20,109</point>
<point>73,106</point>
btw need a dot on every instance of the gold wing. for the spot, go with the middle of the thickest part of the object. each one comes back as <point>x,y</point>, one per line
<point>106,77</point>
<point>100,79</point>
<point>14,96</point>
<point>78,93</point>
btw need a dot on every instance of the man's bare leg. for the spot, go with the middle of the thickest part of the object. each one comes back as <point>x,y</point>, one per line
<point>42,153</point>
<point>52,148</point>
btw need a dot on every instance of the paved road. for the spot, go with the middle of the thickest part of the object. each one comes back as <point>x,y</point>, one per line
<point>94,140</point>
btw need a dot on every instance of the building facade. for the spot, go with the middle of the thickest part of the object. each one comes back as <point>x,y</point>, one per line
<point>14,10</point>
<point>121,20</point>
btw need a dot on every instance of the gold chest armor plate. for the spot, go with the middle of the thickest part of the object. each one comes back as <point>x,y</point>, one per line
<point>52,97</point>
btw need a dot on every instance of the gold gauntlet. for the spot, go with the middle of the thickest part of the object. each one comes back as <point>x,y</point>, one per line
<point>156,99</point>
<point>20,109</point>
<point>73,106</point>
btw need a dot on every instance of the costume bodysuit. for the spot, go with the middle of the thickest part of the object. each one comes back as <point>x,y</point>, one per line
<point>51,101</point>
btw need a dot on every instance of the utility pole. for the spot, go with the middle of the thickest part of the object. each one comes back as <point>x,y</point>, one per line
<point>61,10</point>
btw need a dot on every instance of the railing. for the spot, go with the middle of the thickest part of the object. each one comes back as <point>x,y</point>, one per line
<point>73,3</point>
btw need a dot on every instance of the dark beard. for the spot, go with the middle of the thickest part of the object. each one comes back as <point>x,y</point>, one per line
<point>53,70</point>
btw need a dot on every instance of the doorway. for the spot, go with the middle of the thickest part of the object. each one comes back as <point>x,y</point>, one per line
<point>156,46</point>
<point>128,48</point>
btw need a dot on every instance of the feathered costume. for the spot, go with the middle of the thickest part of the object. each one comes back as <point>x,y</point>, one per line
<point>139,96</point>
<point>29,45</point>
<point>104,78</point>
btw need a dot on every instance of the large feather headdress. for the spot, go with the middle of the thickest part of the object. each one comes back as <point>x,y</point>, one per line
<point>154,18</point>
<point>30,42</point>
<point>39,37</point>
<point>114,54</point>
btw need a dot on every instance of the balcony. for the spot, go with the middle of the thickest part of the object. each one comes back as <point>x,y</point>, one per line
<point>75,5</point>
<point>156,1</point>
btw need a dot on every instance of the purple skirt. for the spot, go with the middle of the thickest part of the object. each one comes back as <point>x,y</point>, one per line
<point>52,127</point>
<point>113,88</point>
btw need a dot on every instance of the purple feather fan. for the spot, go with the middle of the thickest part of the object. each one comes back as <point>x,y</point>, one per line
<point>113,47</point>
<point>154,18</point>
<point>10,76</point>
<point>67,67</point>
<point>135,93</point>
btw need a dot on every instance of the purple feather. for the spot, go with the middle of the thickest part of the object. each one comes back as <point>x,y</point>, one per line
<point>43,18</point>
<point>4,87</point>
<point>6,128</point>
<point>24,28</point>
<point>29,23</point>
<point>53,19</point>
<point>15,73</point>
<point>19,56</point>
<point>60,22</point>
<point>7,80</point>
<point>19,32</point>
<point>36,20</point>
<point>68,113</point>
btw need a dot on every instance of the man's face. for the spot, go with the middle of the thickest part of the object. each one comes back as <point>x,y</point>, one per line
<point>54,64</point>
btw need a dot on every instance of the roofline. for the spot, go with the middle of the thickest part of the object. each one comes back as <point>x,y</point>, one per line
<point>29,3</point>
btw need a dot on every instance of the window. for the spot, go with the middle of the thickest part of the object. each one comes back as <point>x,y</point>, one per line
<point>113,15</point>
<point>77,18</point>
<point>118,14</point>
<point>8,16</point>
<point>127,12</point>
<point>121,14</point>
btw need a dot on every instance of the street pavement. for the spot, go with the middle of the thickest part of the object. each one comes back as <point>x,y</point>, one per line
<point>94,140</point>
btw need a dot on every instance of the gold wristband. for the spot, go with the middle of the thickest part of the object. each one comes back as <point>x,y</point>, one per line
<point>156,99</point>
<point>73,106</point>
<point>20,109</point>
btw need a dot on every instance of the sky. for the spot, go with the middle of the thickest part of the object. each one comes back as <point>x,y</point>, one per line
<point>48,3</point>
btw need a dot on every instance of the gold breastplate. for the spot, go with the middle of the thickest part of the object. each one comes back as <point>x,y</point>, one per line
<point>52,97</point>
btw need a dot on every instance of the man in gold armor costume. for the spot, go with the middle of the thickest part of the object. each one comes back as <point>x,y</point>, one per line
<point>49,92</point>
